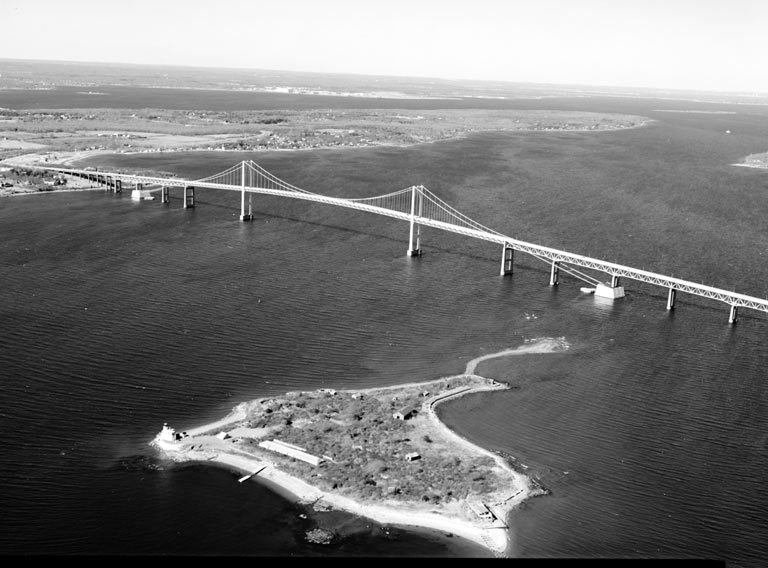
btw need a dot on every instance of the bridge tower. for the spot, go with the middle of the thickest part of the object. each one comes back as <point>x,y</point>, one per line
<point>243,215</point>
<point>414,246</point>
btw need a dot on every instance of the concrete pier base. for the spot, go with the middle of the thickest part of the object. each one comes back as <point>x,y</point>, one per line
<point>142,195</point>
<point>613,292</point>
<point>414,252</point>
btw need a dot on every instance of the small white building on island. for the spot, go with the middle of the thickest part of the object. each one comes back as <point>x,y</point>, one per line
<point>168,434</point>
<point>404,413</point>
<point>481,510</point>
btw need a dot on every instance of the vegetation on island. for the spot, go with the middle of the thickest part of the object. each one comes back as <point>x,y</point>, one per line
<point>367,452</point>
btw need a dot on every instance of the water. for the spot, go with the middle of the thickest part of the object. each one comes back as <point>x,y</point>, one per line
<point>650,432</point>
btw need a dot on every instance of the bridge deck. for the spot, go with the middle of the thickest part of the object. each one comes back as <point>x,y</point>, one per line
<point>550,254</point>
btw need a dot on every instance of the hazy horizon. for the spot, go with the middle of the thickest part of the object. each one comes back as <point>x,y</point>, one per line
<point>705,45</point>
<point>291,78</point>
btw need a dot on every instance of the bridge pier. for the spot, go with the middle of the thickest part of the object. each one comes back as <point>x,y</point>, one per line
<point>164,194</point>
<point>189,197</point>
<point>109,183</point>
<point>243,215</point>
<point>671,298</point>
<point>414,246</point>
<point>136,193</point>
<point>118,186</point>
<point>733,317</point>
<point>554,273</point>
<point>507,257</point>
<point>612,290</point>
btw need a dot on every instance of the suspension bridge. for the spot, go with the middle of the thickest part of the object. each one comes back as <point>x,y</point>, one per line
<point>421,208</point>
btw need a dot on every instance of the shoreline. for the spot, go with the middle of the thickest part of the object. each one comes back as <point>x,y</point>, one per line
<point>361,133</point>
<point>199,447</point>
<point>755,166</point>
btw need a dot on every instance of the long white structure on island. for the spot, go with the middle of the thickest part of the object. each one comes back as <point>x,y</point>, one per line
<point>291,451</point>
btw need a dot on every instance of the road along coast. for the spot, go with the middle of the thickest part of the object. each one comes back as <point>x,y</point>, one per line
<point>401,471</point>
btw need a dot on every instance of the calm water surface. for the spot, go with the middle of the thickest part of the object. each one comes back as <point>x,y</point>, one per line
<point>650,432</point>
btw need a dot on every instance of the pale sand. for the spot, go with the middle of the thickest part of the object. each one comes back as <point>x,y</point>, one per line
<point>494,536</point>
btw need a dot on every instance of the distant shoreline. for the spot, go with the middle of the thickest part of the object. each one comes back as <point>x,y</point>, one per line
<point>63,138</point>
<point>522,121</point>
<point>201,445</point>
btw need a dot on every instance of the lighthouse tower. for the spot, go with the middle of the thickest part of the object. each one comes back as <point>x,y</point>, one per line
<point>168,434</point>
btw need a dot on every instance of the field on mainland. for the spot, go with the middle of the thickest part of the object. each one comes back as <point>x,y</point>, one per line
<point>57,112</point>
<point>51,135</point>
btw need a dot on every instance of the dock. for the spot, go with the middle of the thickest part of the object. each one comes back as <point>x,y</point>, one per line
<point>250,475</point>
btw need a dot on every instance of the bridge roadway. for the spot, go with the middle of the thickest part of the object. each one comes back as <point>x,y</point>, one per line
<point>554,256</point>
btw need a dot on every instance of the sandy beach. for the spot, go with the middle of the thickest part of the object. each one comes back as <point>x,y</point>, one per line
<point>200,445</point>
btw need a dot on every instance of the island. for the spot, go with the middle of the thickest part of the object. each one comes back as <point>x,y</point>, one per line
<point>759,160</point>
<point>379,453</point>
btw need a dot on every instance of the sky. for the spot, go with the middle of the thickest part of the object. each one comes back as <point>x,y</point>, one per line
<point>713,45</point>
